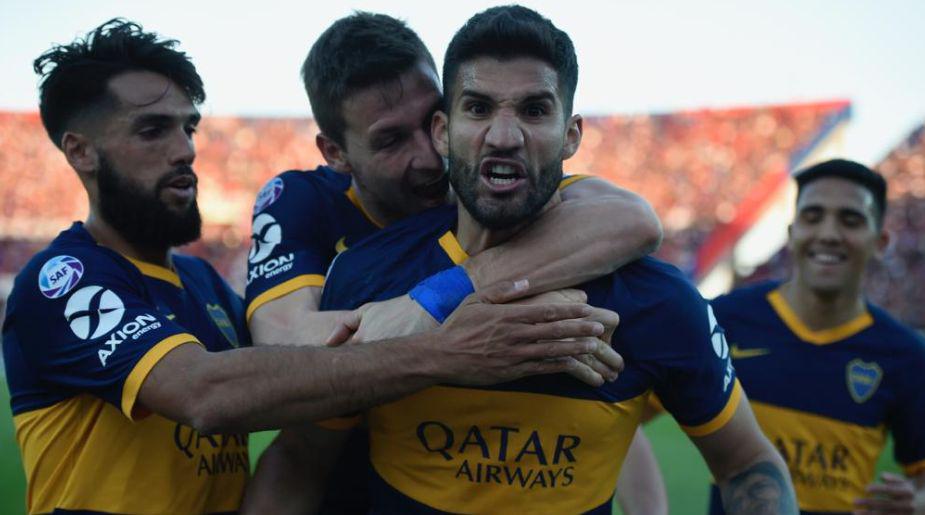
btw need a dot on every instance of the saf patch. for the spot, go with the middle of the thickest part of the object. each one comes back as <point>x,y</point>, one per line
<point>863,379</point>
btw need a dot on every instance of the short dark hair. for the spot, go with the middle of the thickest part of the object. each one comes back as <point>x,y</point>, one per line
<point>508,32</point>
<point>849,171</point>
<point>356,52</point>
<point>75,77</point>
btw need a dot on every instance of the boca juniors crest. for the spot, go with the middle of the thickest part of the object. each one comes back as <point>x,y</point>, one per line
<point>863,379</point>
<point>223,323</point>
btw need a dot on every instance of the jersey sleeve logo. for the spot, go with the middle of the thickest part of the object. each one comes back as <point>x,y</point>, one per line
<point>267,234</point>
<point>223,322</point>
<point>720,346</point>
<point>269,194</point>
<point>863,379</point>
<point>93,311</point>
<point>59,275</point>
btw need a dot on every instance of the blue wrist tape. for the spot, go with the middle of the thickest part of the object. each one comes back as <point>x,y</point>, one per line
<point>441,293</point>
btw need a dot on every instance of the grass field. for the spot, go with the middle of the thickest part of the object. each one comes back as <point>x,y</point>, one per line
<point>685,474</point>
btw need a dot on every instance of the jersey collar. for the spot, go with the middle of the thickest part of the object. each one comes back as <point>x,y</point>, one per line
<point>821,336</point>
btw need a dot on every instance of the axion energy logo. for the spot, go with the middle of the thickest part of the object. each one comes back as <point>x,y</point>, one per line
<point>59,275</point>
<point>267,234</point>
<point>93,311</point>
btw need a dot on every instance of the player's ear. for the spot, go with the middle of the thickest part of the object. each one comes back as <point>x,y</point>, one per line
<point>573,129</point>
<point>333,153</point>
<point>80,154</point>
<point>439,128</point>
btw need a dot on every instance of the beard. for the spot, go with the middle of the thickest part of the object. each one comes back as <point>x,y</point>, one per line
<point>498,214</point>
<point>141,217</point>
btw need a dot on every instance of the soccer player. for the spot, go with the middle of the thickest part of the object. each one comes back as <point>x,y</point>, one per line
<point>373,88</point>
<point>548,444</point>
<point>128,391</point>
<point>826,372</point>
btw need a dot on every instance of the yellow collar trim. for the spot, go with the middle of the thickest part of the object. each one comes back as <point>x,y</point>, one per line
<point>355,200</point>
<point>452,248</point>
<point>157,272</point>
<point>822,336</point>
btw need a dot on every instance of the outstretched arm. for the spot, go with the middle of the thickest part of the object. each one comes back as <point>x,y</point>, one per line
<point>752,477</point>
<point>595,230</point>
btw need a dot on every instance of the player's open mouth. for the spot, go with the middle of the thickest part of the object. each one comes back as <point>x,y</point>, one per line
<point>502,175</point>
<point>826,258</point>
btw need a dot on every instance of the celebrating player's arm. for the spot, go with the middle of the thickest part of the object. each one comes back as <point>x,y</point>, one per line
<point>260,388</point>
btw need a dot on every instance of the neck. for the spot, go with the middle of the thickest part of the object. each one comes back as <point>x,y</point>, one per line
<point>823,310</point>
<point>105,235</point>
<point>373,209</point>
<point>473,237</point>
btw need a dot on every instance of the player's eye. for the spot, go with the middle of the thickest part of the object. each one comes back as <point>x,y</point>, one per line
<point>811,215</point>
<point>477,108</point>
<point>151,131</point>
<point>535,110</point>
<point>191,129</point>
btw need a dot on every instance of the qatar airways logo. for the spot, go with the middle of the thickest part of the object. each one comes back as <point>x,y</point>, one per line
<point>59,275</point>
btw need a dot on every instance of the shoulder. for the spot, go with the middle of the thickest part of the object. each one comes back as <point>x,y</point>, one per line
<point>300,188</point>
<point>69,262</point>
<point>902,338</point>
<point>746,295</point>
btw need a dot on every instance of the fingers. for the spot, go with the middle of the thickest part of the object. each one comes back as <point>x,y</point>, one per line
<point>610,320</point>
<point>555,349</point>
<point>605,361</point>
<point>503,292</point>
<point>345,328</point>
<point>535,314</point>
<point>574,295</point>
<point>566,365</point>
<point>895,495</point>
<point>561,330</point>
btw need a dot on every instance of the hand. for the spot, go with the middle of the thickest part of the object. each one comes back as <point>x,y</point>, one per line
<point>484,343</point>
<point>895,495</point>
<point>604,361</point>
<point>393,318</point>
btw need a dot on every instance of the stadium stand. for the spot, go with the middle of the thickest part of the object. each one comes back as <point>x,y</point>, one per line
<point>704,172</point>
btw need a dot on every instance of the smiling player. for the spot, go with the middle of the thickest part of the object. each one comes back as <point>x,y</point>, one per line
<point>826,372</point>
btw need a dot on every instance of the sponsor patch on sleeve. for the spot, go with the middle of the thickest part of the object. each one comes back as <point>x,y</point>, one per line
<point>59,275</point>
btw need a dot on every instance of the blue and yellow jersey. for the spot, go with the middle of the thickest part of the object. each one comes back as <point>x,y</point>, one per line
<point>84,326</point>
<point>545,443</point>
<point>302,219</point>
<point>826,399</point>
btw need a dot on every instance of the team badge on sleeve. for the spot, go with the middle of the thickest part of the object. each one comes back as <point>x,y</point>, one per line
<point>93,311</point>
<point>59,275</point>
<point>863,379</point>
<point>266,236</point>
<point>269,194</point>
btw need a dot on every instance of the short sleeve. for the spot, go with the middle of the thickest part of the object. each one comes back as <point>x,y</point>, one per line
<point>687,352</point>
<point>908,421</point>
<point>101,337</point>
<point>291,247</point>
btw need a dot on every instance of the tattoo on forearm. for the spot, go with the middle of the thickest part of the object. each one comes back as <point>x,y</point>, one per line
<point>762,489</point>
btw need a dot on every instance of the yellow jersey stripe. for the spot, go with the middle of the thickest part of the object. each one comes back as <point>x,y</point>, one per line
<point>157,272</point>
<point>355,200</point>
<point>144,366</point>
<point>453,249</point>
<point>284,288</point>
<point>719,420</point>
<point>822,336</point>
<point>565,183</point>
<point>914,469</point>
<point>340,423</point>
